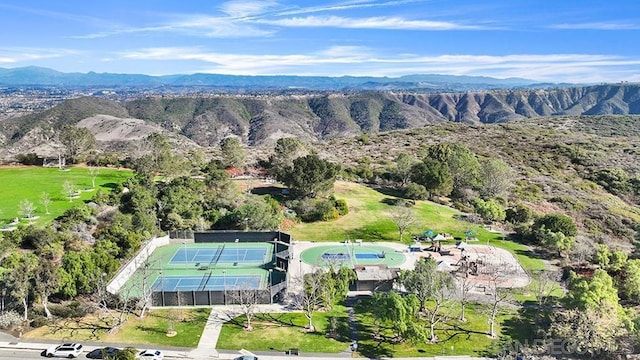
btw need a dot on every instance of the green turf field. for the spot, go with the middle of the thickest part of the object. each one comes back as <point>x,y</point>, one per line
<point>20,183</point>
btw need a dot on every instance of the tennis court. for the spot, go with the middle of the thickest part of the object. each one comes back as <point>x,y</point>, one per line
<point>208,282</point>
<point>220,254</point>
<point>352,255</point>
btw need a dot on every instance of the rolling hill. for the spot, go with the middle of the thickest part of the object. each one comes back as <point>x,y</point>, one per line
<point>261,120</point>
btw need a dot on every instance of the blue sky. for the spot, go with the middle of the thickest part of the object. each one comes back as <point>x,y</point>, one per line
<point>560,40</point>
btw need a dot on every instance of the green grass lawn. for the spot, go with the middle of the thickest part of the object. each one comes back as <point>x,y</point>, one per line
<point>151,330</point>
<point>472,340</point>
<point>282,331</point>
<point>20,183</point>
<point>369,220</point>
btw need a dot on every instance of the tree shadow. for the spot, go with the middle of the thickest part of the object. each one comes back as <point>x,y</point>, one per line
<point>389,191</point>
<point>110,185</point>
<point>365,233</point>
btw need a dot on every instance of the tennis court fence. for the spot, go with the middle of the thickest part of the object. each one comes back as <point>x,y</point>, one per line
<point>270,295</point>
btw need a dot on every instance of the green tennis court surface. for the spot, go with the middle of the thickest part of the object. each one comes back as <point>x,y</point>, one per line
<point>203,267</point>
<point>352,255</point>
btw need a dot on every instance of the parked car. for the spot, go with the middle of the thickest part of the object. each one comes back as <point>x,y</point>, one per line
<point>246,357</point>
<point>105,352</point>
<point>151,355</point>
<point>67,350</point>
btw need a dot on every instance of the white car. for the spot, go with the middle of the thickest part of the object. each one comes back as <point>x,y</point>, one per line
<point>150,355</point>
<point>68,350</point>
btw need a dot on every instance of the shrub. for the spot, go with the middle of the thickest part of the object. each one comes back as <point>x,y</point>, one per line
<point>39,321</point>
<point>342,207</point>
<point>29,159</point>
<point>415,191</point>
<point>10,319</point>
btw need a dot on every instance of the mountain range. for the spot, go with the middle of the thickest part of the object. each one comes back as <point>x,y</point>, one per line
<point>194,121</point>
<point>32,76</point>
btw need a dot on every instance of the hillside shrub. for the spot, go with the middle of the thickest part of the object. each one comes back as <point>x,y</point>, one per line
<point>415,191</point>
<point>29,159</point>
<point>10,319</point>
<point>341,206</point>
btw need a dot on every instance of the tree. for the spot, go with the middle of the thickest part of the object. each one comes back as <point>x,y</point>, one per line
<point>286,150</point>
<point>592,293</point>
<point>47,280</point>
<point>557,223</point>
<point>402,168</point>
<point>463,164</point>
<point>69,190</point>
<point>18,280</point>
<point>463,288</point>
<point>489,210</point>
<point>496,178</point>
<point>557,241</point>
<point>630,287</point>
<point>76,141</point>
<point>429,284</point>
<point>45,200</point>
<point>308,296</point>
<point>310,176</point>
<point>401,313</point>
<point>434,176</point>
<point>258,213</point>
<point>233,154</point>
<point>93,172</point>
<point>498,276</point>
<point>403,218</point>
<point>26,209</point>
<point>247,298</point>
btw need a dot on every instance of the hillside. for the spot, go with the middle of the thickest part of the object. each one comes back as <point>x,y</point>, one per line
<point>558,160</point>
<point>261,120</point>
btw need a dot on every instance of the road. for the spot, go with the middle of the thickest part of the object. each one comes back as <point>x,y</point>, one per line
<point>9,354</point>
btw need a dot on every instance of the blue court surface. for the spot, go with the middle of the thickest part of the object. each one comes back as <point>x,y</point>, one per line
<point>343,256</point>
<point>220,254</point>
<point>208,283</point>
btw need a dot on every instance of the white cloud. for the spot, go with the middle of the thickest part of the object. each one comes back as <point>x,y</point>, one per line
<point>11,55</point>
<point>349,60</point>
<point>244,8</point>
<point>381,22</point>
<point>347,5</point>
<point>597,26</point>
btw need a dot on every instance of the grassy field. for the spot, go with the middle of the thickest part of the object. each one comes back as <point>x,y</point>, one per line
<point>473,341</point>
<point>369,220</point>
<point>282,331</point>
<point>151,330</point>
<point>28,183</point>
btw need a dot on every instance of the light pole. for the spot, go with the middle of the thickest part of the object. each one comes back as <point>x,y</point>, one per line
<point>224,279</point>
<point>184,243</point>
<point>270,287</point>
<point>300,260</point>
<point>237,251</point>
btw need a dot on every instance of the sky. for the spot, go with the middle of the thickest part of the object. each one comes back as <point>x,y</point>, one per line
<point>556,41</point>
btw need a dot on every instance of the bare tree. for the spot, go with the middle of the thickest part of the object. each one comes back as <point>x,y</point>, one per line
<point>45,200</point>
<point>308,296</point>
<point>440,301</point>
<point>499,275</point>
<point>464,285</point>
<point>404,218</point>
<point>247,298</point>
<point>115,307</point>
<point>93,172</point>
<point>69,190</point>
<point>147,272</point>
<point>26,209</point>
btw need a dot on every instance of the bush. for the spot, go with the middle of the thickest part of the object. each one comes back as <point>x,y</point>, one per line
<point>39,321</point>
<point>74,309</point>
<point>342,207</point>
<point>415,191</point>
<point>10,319</point>
<point>29,159</point>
